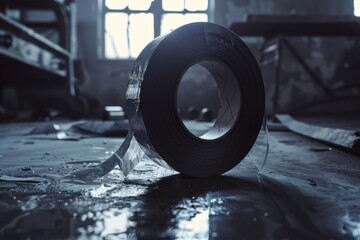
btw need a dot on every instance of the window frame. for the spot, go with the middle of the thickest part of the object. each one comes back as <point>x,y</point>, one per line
<point>155,9</point>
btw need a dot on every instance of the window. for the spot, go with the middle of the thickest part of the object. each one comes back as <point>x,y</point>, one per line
<point>357,8</point>
<point>129,25</point>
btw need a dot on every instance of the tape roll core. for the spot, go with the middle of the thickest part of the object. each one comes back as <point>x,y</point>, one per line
<point>229,94</point>
<point>152,107</point>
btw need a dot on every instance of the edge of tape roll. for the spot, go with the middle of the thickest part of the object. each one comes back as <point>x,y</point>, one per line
<point>156,128</point>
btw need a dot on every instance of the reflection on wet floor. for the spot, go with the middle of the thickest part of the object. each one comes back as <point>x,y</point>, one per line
<point>228,208</point>
<point>174,207</point>
<point>309,192</point>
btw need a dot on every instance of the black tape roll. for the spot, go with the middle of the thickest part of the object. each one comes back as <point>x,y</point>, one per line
<point>152,106</point>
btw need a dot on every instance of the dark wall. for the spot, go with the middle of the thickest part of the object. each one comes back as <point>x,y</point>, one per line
<point>237,10</point>
<point>328,57</point>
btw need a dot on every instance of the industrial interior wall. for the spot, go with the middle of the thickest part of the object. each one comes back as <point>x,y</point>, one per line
<point>330,58</point>
<point>106,80</point>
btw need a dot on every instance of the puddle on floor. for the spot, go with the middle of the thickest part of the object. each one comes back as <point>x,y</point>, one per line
<point>64,215</point>
<point>174,207</point>
<point>222,208</point>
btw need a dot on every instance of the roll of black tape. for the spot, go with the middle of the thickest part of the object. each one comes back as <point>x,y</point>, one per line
<point>156,128</point>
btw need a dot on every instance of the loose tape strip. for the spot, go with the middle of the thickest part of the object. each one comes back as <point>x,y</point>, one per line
<point>156,128</point>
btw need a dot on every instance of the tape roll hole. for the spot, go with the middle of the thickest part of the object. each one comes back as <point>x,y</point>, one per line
<point>209,99</point>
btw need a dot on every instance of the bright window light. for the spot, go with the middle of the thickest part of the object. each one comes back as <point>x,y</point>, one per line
<point>116,40</point>
<point>357,8</point>
<point>118,44</point>
<point>142,5</point>
<point>141,32</point>
<point>173,5</point>
<point>195,17</point>
<point>116,4</point>
<point>172,21</point>
<point>196,5</point>
<point>129,24</point>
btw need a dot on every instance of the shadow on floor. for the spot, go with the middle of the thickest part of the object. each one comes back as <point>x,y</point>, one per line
<point>173,207</point>
<point>220,208</point>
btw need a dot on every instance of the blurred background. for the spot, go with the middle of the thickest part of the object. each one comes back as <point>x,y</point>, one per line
<point>72,58</point>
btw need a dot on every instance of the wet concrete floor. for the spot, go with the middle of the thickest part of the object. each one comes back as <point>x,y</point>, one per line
<point>305,191</point>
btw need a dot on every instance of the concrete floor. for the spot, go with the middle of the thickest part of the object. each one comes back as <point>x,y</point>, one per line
<point>304,191</point>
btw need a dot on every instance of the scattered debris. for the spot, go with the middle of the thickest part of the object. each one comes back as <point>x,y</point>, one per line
<point>63,135</point>
<point>206,115</point>
<point>85,162</point>
<point>325,149</point>
<point>46,129</point>
<point>104,128</point>
<point>312,182</point>
<point>345,139</point>
<point>113,113</point>
<point>88,128</point>
<point>26,169</point>
<point>192,113</point>
<point>51,128</point>
<point>289,142</point>
<point>24,141</point>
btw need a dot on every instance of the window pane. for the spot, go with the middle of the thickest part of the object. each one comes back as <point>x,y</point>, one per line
<point>140,4</point>
<point>173,5</point>
<point>116,40</point>
<point>196,5</point>
<point>116,4</point>
<point>171,21</point>
<point>141,32</point>
<point>357,8</point>
<point>195,17</point>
